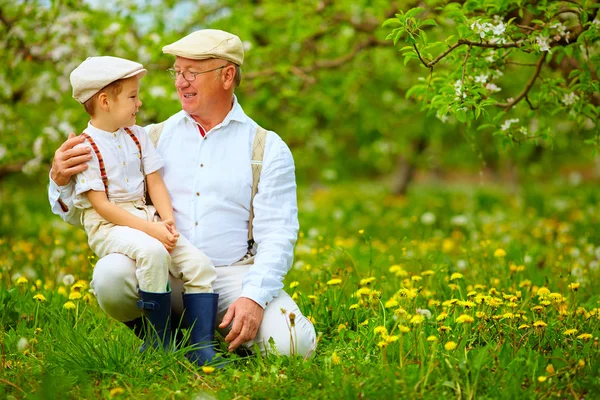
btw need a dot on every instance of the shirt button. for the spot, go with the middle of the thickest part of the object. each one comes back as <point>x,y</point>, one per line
<point>197,193</point>
<point>205,137</point>
<point>119,146</point>
<point>126,180</point>
<point>201,165</point>
<point>196,223</point>
<point>123,162</point>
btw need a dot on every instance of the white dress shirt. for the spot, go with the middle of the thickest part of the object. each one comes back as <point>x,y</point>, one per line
<point>122,164</point>
<point>209,180</point>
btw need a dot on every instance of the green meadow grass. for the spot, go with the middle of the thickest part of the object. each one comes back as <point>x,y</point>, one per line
<point>461,292</point>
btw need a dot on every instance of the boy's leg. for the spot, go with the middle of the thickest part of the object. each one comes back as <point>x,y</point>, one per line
<point>193,267</point>
<point>152,259</point>
<point>275,324</point>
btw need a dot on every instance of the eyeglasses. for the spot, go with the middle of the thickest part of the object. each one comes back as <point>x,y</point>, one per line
<point>189,75</point>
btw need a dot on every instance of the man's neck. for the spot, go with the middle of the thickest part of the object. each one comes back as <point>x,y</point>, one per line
<point>215,115</point>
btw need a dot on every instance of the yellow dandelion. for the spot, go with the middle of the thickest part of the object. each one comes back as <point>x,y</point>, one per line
<point>453,286</point>
<point>399,311</point>
<point>581,363</point>
<point>444,328</point>
<point>395,268</point>
<point>311,319</point>
<point>543,291</point>
<point>523,326</point>
<point>427,272</point>
<point>432,338</point>
<point>450,346</point>
<point>366,281</point>
<point>570,332</point>
<point>540,324</point>
<point>417,319</point>
<point>499,253</point>
<point>361,231</point>
<point>480,314</point>
<point>391,303</point>
<point>455,276</point>
<point>40,297</point>
<point>443,315</point>
<point>391,339</point>
<point>403,328</point>
<point>335,358</point>
<point>383,343</point>
<point>78,286</point>
<point>467,304</point>
<point>550,369</point>
<point>508,315</point>
<point>382,330</point>
<point>22,280</point>
<point>585,336</point>
<point>465,319</point>
<point>69,305</point>
<point>525,283</point>
<point>208,370</point>
<point>416,278</point>
<point>353,306</point>
<point>574,286</point>
<point>341,327</point>
<point>294,284</point>
<point>334,281</point>
<point>542,378</point>
<point>74,296</point>
<point>116,392</point>
<point>312,297</point>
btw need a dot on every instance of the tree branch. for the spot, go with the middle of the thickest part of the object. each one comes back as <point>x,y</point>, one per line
<point>470,44</point>
<point>523,94</point>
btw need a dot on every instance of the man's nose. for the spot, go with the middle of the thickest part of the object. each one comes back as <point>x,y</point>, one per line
<point>180,82</point>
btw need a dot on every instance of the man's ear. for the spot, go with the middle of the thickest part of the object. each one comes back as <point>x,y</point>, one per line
<point>228,77</point>
<point>103,101</point>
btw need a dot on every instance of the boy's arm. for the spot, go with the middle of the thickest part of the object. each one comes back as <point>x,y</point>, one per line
<point>159,196</point>
<point>115,214</point>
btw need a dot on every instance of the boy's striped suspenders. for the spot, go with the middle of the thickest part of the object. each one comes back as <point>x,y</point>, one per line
<point>101,160</point>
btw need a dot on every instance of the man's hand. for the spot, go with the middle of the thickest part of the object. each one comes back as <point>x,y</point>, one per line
<point>247,316</point>
<point>69,161</point>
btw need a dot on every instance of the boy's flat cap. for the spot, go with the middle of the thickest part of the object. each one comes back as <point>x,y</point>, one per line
<point>96,73</point>
<point>208,43</point>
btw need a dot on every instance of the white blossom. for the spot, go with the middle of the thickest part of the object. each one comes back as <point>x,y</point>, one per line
<point>428,218</point>
<point>37,146</point>
<point>65,127</point>
<point>569,99</point>
<point>461,265</point>
<point>506,125</point>
<point>158,91</point>
<point>112,29</point>
<point>459,220</point>
<point>481,78</point>
<point>22,344</point>
<point>32,166</point>
<point>492,88</point>
<point>524,130</point>
<point>247,45</point>
<point>544,43</point>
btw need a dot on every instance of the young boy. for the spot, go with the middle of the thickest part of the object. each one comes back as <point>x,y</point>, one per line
<point>111,193</point>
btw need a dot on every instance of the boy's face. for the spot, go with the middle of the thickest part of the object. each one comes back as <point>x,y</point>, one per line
<point>126,104</point>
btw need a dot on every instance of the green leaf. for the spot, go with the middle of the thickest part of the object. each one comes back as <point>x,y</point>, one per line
<point>414,11</point>
<point>429,21</point>
<point>391,22</point>
<point>461,115</point>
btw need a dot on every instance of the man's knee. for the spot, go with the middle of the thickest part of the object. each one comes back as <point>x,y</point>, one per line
<point>115,286</point>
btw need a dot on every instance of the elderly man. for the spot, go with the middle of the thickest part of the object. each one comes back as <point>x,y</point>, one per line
<point>207,150</point>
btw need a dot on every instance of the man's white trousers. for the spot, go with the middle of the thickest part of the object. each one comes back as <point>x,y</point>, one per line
<point>115,284</point>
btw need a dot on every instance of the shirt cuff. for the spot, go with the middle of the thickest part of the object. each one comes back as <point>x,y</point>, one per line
<point>55,193</point>
<point>258,295</point>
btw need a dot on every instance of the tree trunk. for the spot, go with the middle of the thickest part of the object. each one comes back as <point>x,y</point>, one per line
<point>405,172</point>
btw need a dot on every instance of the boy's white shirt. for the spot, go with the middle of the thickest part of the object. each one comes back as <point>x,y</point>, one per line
<point>122,163</point>
<point>210,182</point>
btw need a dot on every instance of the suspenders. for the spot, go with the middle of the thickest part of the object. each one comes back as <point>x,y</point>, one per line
<point>101,160</point>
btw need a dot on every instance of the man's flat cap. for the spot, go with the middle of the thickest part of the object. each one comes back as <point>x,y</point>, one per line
<point>208,43</point>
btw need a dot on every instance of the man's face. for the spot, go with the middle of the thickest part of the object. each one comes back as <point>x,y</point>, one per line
<point>204,89</point>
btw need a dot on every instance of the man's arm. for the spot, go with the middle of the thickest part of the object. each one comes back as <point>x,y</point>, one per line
<point>275,232</point>
<point>118,216</point>
<point>68,161</point>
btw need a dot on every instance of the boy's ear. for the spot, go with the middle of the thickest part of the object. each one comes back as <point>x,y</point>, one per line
<point>103,101</point>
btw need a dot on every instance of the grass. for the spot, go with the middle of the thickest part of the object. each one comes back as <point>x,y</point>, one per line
<point>456,293</point>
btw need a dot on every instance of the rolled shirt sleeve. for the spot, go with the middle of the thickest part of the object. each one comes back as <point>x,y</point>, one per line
<point>61,202</point>
<point>151,160</point>
<point>90,179</point>
<point>275,224</point>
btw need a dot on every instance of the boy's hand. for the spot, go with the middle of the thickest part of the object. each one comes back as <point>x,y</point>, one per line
<point>160,231</point>
<point>69,161</point>
<point>171,227</point>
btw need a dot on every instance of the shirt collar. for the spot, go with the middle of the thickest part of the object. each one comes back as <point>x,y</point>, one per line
<point>91,129</point>
<point>235,114</point>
